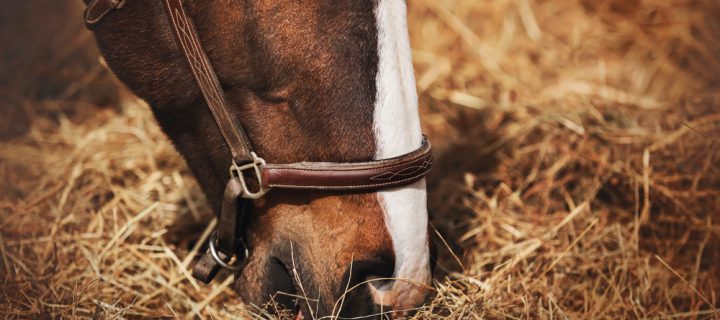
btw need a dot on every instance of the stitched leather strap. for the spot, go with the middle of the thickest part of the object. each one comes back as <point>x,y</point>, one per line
<point>207,81</point>
<point>379,174</point>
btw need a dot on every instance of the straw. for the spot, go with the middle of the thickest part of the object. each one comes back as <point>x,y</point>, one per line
<point>577,174</point>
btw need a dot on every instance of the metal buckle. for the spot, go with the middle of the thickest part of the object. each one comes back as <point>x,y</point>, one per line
<point>236,265</point>
<point>236,170</point>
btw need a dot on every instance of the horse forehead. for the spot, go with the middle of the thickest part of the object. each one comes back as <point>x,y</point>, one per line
<point>319,57</point>
<point>313,33</point>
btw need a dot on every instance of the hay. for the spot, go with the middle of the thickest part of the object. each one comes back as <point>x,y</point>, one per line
<point>577,176</point>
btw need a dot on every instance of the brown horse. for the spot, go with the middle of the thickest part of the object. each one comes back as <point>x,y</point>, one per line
<point>313,80</point>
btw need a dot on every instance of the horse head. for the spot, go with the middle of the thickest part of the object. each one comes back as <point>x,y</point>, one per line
<point>315,80</point>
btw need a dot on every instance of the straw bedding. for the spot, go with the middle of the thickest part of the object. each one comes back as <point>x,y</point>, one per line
<point>576,173</point>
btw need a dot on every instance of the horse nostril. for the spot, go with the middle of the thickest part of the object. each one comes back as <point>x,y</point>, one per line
<point>281,284</point>
<point>377,272</point>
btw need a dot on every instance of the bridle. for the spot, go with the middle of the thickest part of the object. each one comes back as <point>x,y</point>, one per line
<point>250,177</point>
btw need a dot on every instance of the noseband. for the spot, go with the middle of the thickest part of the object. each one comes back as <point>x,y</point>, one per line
<point>250,177</point>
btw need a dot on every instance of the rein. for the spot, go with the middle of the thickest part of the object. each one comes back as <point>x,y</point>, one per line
<point>226,241</point>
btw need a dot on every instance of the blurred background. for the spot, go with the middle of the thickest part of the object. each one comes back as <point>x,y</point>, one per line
<point>577,167</point>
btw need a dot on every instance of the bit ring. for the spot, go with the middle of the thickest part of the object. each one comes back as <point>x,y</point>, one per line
<point>238,264</point>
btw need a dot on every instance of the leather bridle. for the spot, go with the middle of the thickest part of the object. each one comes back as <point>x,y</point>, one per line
<point>250,177</point>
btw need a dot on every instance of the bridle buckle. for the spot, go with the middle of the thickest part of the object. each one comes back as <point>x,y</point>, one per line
<point>237,171</point>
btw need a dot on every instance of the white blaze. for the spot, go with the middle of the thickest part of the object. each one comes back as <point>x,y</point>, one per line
<point>397,131</point>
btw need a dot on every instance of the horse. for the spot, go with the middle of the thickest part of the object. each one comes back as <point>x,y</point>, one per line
<point>307,81</point>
